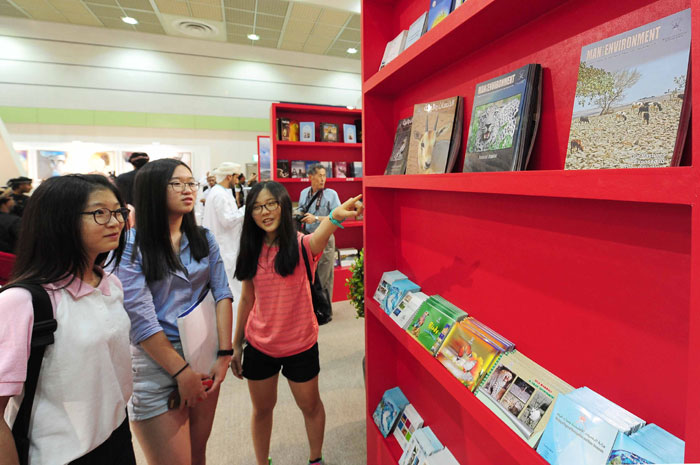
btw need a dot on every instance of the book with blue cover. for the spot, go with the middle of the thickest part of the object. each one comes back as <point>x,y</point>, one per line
<point>439,9</point>
<point>383,287</point>
<point>308,164</point>
<point>422,445</point>
<point>397,290</point>
<point>660,442</point>
<point>307,131</point>
<point>349,134</point>
<point>627,450</point>
<point>389,409</point>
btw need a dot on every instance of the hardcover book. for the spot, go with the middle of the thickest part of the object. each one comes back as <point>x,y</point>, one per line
<point>432,323</point>
<point>298,169</point>
<point>504,121</point>
<point>307,131</point>
<point>284,129</point>
<point>308,164</point>
<point>329,132</point>
<point>404,312</point>
<point>356,169</point>
<point>436,136</point>
<point>349,134</point>
<point>358,125</point>
<point>399,154</point>
<point>393,48</point>
<point>283,169</point>
<point>408,423</point>
<point>388,410</point>
<point>416,30</point>
<point>659,442</point>
<point>630,98</point>
<point>422,445</point>
<point>439,9</point>
<point>383,287</point>
<point>293,130</point>
<point>521,393</point>
<point>397,290</point>
<point>340,169</point>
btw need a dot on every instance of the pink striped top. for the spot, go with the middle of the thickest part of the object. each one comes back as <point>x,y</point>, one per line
<point>282,321</point>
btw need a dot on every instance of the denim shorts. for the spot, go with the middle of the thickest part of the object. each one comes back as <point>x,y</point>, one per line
<point>152,385</point>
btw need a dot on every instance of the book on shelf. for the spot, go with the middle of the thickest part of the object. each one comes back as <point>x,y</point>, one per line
<point>416,30</point>
<point>505,117</point>
<point>294,130</point>
<point>436,136</point>
<point>458,3</point>
<point>396,292</point>
<point>631,108</point>
<point>388,277</point>
<point>439,9</point>
<point>521,393</point>
<point>283,128</point>
<point>422,445</point>
<point>349,134</point>
<point>358,125</point>
<point>340,169</point>
<point>441,457</point>
<point>307,131</point>
<point>404,312</point>
<point>651,444</point>
<point>432,323</point>
<point>328,166</point>
<point>329,132</point>
<point>298,169</point>
<point>283,170</point>
<point>308,164</point>
<point>388,410</point>
<point>355,169</point>
<point>346,256</point>
<point>399,153</point>
<point>409,422</point>
<point>393,48</point>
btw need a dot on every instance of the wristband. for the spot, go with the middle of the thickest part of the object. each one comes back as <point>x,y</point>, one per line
<point>223,353</point>
<point>334,221</point>
<point>181,370</point>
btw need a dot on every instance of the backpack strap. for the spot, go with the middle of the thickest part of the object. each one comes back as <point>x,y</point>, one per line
<point>42,336</point>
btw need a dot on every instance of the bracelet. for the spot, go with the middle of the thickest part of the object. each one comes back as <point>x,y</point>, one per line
<point>181,370</point>
<point>334,221</point>
<point>223,353</point>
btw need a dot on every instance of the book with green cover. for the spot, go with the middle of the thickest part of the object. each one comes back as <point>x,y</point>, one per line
<point>432,324</point>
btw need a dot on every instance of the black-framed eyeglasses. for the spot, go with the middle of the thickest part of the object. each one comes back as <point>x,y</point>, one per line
<point>270,206</point>
<point>179,186</point>
<point>104,215</point>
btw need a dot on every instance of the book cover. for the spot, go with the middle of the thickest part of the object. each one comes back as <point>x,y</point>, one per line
<point>660,442</point>
<point>439,9</point>
<point>409,421</point>
<point>388,277</point>
<point>627,450</point>
<point>393,48</point>
<point>307,131</point>
<point>416,30</point>
<point>404,312</point>
<point>358,126</point>
<point>442,457</point>
<point>329,132</point>
<point>521,393</point>
<point>436,136</point>
<point>432,323</point>
<point>340,169</point>
<point>397,290</point>
<point>284,129</point>
<point>422,445</point>
<point>467,355</point>
<point>308,164</point>
<point>283,171</point>
<point>349,134</point>
<point>630,96</point>
<point>356,169</point>
<point>388,410</point>
<point>399,154</point>
<point>298,169</point>
<point>328,165</point>
<point>293,130</point>
<point>504,109</point>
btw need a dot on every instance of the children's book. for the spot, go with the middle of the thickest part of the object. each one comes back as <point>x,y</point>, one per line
<point>283,169</point>
<point>436,136</point>
<point>416,30</point>
<point>393,48</point>
<point>399,154</point>
<point>307,131</point>
<point>630,107</point>
<point>397,290</point>
<point>439,9</point>
<point>422,445</point>
<point>404,312</point>
<point>340,169</point>
<point>432,323</point>
<point>505,116</point>
<point>390,407</point>
<point>408,423</point>
<point>349,134</point>
<point>329,132</point>
<point>356,169</point>
<point>385,283</point>
<point>521,393</point>
<point>298,169</point>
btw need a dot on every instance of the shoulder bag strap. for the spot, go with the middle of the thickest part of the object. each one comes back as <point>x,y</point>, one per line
<point>42,336</point>
<point>311,200</point>
<point>306,262</point>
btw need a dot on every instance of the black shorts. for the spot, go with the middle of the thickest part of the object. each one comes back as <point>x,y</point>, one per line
<point>298,368</point>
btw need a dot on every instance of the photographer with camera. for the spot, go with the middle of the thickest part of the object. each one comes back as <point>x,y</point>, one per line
<point>315,204</point>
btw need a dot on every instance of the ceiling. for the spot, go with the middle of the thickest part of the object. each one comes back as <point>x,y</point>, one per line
<point>281,24</point>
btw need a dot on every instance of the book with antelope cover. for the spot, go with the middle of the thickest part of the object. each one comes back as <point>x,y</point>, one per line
<point>436,136</point>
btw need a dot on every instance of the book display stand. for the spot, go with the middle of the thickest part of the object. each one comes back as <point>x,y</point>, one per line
<point>351,236</point>
<point>593,274</point>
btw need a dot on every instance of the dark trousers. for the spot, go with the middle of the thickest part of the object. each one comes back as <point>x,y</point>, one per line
<point>116,450</point>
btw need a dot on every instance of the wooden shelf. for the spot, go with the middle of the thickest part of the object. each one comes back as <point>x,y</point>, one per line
<point>318,145</point>
<point>306,180</point>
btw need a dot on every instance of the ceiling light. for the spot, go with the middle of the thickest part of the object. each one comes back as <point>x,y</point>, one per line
<point>352,50</point>
<point>350,107</point>
<point>253,37</point>
<point>129,20</point>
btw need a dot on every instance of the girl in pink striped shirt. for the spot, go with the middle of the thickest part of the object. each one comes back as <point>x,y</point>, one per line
<point>275,312</point>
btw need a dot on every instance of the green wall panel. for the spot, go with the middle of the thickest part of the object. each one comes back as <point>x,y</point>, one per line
<point>63,116</point>
<point>120,118</point>
<point>18,114</point>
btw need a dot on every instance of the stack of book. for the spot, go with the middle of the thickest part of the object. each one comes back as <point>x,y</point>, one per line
<point>346,256</point>
<point>433,322</point>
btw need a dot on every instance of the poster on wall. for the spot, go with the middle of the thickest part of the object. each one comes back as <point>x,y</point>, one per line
<point>185,157</point>
<point>264,158</point>
<point>102,162</point>
<point>51,163</point>
<point>23,154</point>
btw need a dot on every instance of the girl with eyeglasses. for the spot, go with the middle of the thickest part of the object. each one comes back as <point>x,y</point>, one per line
<point>70,226</point>
<point>169,263</point>
<point>275,312</point>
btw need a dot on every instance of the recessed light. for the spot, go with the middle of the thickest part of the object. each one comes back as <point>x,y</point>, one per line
<point>253,37</point>
<point>130,20</point>
<point>352,50</point>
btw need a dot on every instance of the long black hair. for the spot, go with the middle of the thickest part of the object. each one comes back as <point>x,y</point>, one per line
<point>152,237</point>
<point>252,235</point>
<point>50,246</point>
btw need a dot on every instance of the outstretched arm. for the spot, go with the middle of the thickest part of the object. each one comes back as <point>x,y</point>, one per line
<point>348,210</point>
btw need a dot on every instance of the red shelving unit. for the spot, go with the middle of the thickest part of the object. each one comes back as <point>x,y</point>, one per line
<point>593,274</point>
<point>352,235</point>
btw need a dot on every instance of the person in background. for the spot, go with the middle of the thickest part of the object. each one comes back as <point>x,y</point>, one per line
<point>209,182</point>
<point>316,203</point>
<point>253,180</point>
<point>225,219</point>
<point>276,315</point>
<point>9,223</point>
<point>125,181</point>
<point>20,186</point>
<point>72,226</point>
<point>239,193</point>
<point>169,264</point>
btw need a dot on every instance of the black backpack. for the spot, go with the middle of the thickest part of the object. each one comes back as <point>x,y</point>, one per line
<point>319,297</point>
<point>42,336</point>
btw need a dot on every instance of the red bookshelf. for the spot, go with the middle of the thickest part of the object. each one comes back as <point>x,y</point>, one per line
<point>352,235</point>
<point>593,274</point>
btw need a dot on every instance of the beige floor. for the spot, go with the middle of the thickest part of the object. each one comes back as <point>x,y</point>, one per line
<point>341,344</point>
